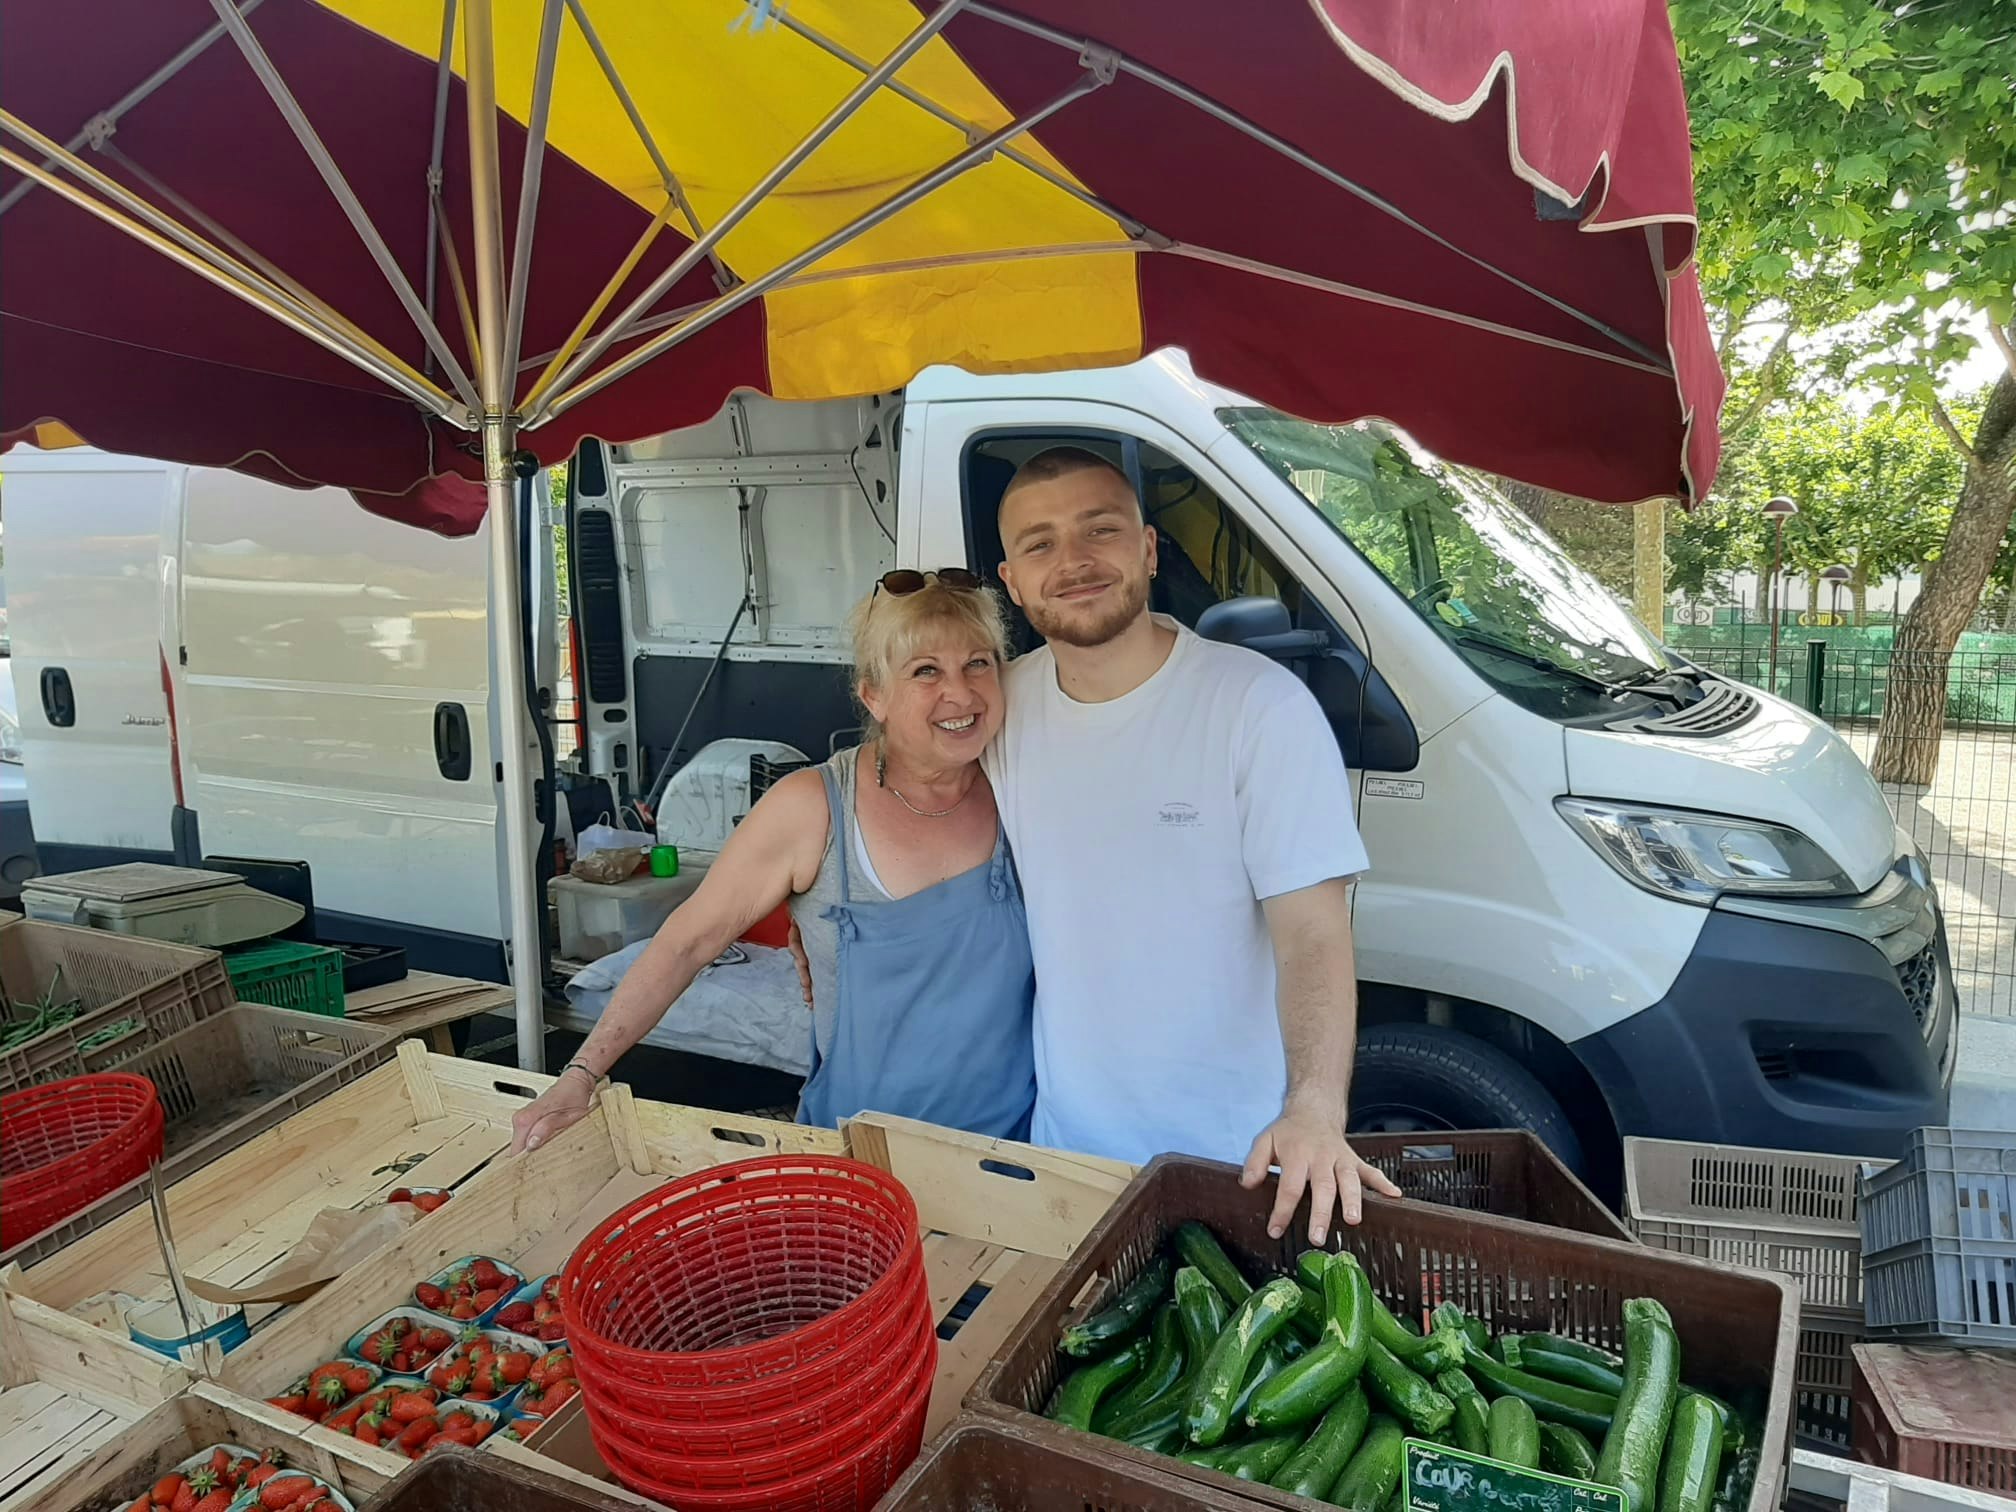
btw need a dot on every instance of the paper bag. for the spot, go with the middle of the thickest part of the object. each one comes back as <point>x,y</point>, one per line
<point>337,1239</point>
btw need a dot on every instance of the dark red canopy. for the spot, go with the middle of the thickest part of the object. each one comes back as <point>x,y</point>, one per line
<point>1474,221</point>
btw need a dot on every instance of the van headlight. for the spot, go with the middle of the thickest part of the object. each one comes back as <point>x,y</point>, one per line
<point>1695,858</point>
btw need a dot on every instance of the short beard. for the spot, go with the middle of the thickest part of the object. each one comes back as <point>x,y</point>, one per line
<point>1109,622</point>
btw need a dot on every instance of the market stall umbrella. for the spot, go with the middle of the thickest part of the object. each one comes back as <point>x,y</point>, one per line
<point>244,234</point>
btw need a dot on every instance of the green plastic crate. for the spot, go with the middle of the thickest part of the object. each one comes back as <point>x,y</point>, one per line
<point>284,974</point>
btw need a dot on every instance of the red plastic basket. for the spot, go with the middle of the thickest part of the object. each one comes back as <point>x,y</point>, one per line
<point>850,1484</point>
<point>761,1414</point>
<point>65,1144</point>
<point>740,1272</point>
<point>762,1450</point>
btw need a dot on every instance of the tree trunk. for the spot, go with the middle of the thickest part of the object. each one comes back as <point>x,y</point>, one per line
<point>1858,586</point>
<point>1907,742</point>
<point>1648,565</point>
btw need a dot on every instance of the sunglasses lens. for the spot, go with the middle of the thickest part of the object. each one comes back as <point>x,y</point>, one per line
<point>958,577</point>
<point>902,581</point>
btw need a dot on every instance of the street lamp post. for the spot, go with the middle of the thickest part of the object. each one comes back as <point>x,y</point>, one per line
<point>1780,509</point>
<point>1837,575</point>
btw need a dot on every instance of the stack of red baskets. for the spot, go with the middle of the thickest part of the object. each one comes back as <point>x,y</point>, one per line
<point>757,1335</point>
<point>65,1144</point>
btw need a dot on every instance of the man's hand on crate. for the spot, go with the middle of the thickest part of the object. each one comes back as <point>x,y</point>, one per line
<point>1309,1146</point>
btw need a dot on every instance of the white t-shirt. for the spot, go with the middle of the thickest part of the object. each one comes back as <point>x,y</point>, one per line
<point>1147,830</point>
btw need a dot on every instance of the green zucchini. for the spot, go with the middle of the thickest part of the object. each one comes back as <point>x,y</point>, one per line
<point>1449,1317</point>
<point>1308,1387</point>
<point>1406,1394</point>
<point>1631,1449</point>
<point>1148,1426</point>
<point>1199,1247</point>
<point>1693,1456</point>
<point>1373,1473</point>
<point>1161,1370</point>
<point>1566,1452</point>
<point>1590,1412</point>
<point>1216,1387</point>
<point>1273,1360</point>
<point>1456,1385</point>
<point>1201,1313</point>
<point>1313,1468</point>
<point>1472,1422</point>
<point>1739,1477</point>
<point>1103,1331</point>
<point>1593,1354</point>
<point>1514,1433</point>
<point>1253,1459</point>
<point>1537,1358</point>
<point>1078,1398</point>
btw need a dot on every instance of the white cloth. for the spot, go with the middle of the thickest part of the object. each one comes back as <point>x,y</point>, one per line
<point>750,1010</point>
<point>1147,830</point>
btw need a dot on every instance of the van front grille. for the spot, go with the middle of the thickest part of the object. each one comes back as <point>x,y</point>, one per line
<point>1919,977</point>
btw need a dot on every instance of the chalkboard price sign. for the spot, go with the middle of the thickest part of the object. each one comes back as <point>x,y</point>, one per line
<point>1437,1478</point>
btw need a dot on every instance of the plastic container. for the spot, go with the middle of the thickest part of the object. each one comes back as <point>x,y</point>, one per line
<point>1779,1210</point>
<point>288,974</point>
<point>303,1476</point>
<point>514,1282</point>
<point>1939,1239</point>
<point>1941,1413</point>
<point>529,1294</point>
<point>459,1477</point>
<point>353,1348</point>
<point>1004,1468</point>
<point>599,919</point>
<point>180,904</point>
<point>1738,1330</point>
<point>368,966</point>
<point>501,1340</point>
<point>1509,1172</point>
<point>158,988</point>
<point>66,1144</point>
<point>223,1082</point>
<point>158,1326</point>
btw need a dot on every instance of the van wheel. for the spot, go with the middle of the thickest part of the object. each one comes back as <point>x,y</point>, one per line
<point>1416,1077</point>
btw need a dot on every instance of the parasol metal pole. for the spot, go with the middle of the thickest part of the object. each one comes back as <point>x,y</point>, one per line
<point>444,74</point>
<point>601,301</point>
<point>528,191</point>
<point>103,124</point>
<point>346,197</point>
<point>1098,71</point>
<point>430,398</point>
<point>500,444</point>
<point>703,244</point>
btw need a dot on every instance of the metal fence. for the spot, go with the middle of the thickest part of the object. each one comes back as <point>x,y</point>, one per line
<point>1964,818</point>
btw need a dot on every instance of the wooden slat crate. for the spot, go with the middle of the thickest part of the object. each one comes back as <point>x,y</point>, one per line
<point>66,1390</point>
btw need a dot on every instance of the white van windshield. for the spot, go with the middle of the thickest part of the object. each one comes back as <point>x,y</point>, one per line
<point>1489,580</point>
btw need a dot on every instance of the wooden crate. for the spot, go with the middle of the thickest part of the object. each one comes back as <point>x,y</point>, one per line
<point>66,1390</point>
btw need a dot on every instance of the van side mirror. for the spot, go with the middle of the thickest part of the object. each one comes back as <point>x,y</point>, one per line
<point>1263,625</point>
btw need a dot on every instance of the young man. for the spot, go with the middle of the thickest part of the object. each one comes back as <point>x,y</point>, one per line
<point>1182,823</point>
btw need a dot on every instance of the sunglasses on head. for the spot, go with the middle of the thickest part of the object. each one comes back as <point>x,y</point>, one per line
<point>905,581</point>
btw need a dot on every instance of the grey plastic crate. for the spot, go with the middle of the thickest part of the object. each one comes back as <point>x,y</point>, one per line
<point>1939,1239</point>
<point>1783,1210</point>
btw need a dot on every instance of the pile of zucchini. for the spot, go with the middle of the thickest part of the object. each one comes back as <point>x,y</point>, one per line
<point>1310,1384</point>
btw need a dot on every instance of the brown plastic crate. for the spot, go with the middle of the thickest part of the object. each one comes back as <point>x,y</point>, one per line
<point>1738,1329</point>
<point>467,1480</point>
<point>1823,1378</point>
<point>1509,1172</point>
<point>1937,1411</point>
<point>164,988</point>
<point>983,1466</point>
<point>226,1080</point>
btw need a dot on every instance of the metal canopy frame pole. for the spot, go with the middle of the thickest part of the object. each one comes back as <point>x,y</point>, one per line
<point>339,186</point>
<point>1098,72</point>
<point>444,73</point>
<point>179,245</point>
<point>500,444</point>
<point>706,241</point>
<point>528,190</point>
<point>1265,138</point>
<point>102,125</point>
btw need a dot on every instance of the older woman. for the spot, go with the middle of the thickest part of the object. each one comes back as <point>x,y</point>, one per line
<point>892,860</point>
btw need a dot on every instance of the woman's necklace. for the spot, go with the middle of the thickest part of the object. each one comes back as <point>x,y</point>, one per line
<point>882,781</point>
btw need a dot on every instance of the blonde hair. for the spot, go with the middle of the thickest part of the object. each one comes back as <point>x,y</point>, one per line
<point>888,629</point>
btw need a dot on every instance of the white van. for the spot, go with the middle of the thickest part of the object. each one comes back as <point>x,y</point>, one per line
<point>1610,892</point>
<point>208,664</point>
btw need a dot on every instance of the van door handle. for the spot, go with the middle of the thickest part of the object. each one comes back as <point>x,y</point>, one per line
<point>451,741</point>
<point>59,704</point>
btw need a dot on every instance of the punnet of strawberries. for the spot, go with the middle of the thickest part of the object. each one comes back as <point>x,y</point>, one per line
<point>466,1292</point>
<point>215,1484</point>
<point>483,1370</point>
<point>325,1389</point>
<point>405,1346</point>
<point>549,1385</point>
<point>538,1319</point>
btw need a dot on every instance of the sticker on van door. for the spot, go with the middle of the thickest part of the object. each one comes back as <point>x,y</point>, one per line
<point>1394,787</point>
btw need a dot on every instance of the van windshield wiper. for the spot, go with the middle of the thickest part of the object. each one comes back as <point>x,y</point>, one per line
<point>1513,651</point>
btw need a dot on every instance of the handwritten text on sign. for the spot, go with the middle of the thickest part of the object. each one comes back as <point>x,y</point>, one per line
<point>1437,1478</point>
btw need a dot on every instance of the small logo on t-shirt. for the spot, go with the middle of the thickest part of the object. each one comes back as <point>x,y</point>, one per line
<point>1178,816</point>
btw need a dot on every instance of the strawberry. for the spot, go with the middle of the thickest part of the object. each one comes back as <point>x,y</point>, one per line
<point>552,1331</point>
<point>515,1316</point>
<point>215,1501</point>
<point>262,1472</point>
<point>327,1393</point>
<point>185,1500</point>
<point>411,1406</point>
<point>293,1403</point>
<point>463,1309</point>
<point>486,1299</point>
<point>400,1194</point>
<point>559,1393</point>
<point>550,1289</point>
<point>403,1364</point>
<point>417,1433</point>
<point>145,1504</point>
<point>282,1492</point>
<point>486,1274</point>
<point>436,1339</point>
<point>382,1347</point>
<point>356,1380</point>
<point>430,1296</point>
<point>367,1432</point>
<point>206,1480</point>
<point>220,1462</point>
<point>427,1202</point>
<point>323,1372</point>
<point>165,1489</point>
<point>514,1365</point>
